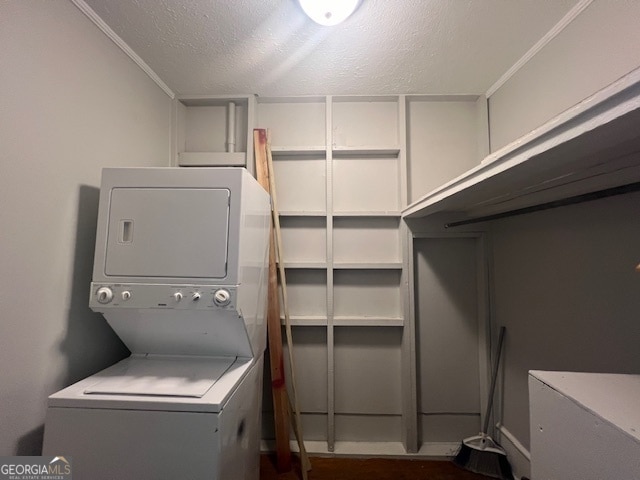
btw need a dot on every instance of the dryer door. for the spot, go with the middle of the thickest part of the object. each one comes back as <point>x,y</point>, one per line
<point>168,233</point>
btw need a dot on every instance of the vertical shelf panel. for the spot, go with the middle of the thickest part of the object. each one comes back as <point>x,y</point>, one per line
<point>366,183</point>
<point>304,239</point>
<point>365,122</point>
<point>367,293</point>
<point>331,399</point>
<point>300,183</point>
<point>366,240</point>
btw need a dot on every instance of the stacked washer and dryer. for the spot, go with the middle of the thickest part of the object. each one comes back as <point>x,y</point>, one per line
<point>180,274</point>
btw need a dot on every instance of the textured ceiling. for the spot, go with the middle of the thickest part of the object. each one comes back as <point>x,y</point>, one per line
<point>270,48</point>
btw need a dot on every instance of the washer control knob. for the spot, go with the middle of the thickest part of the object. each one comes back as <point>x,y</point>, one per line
<point>105,295</point>
<point>126,295</point>
<point>177,296</point>
<point>221,297</point>
<point>195,297</point>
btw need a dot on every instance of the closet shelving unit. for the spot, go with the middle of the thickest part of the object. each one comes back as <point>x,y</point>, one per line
<point>340,178</point>
<point>341,167</point>
<point>340,218</point>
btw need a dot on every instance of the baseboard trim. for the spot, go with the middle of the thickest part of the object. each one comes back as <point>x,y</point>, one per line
<point>519,456</point>
<point>430,450</point>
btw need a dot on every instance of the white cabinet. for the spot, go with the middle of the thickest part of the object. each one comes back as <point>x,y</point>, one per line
<point>584,425</point>
<point>213,131</point>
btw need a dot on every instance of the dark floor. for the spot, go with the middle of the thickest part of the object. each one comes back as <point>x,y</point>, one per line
<point>369,469</point>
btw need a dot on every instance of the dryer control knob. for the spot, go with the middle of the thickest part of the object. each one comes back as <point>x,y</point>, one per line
<point>126,295</point>
<point>221,298</point>
<point>177,296</point>
<point>104,294</point>
<point>195,297</point>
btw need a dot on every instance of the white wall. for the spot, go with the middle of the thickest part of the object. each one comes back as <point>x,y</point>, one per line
<point>443,141</point>
<point>71,104</point>
<point>567,290</point>
<point>599,46</point>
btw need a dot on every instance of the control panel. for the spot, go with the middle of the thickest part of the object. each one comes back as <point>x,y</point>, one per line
<point>180,297</point>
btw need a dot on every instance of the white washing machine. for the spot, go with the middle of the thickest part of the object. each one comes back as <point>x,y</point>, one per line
<point>180,274</point>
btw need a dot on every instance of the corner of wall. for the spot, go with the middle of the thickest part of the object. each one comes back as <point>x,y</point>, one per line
<point>115,38</point>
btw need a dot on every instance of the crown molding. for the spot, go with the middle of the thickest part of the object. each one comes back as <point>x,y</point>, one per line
<point>115,38</point>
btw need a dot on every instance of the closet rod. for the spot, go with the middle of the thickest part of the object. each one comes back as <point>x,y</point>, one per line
<point>587,197</point>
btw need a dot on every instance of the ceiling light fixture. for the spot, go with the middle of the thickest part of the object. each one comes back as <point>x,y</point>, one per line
<point>329,12</point>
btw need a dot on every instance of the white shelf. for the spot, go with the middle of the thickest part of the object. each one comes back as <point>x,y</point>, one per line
<point>368,265</point>
<point>371,213</point>
<point>365,151</point>
<point>302,213</point>
<point>592,146</point>
<point>305,265</point>
<point>349,321</point>
<point>306,320</point>
<point>297,151</point>
<point>343,321</point>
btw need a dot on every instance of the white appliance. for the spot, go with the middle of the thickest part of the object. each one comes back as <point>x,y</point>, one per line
<point>584,426</point>
<point>180,274</point>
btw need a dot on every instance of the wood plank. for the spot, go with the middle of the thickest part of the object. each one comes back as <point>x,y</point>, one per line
<point>293,406</point>
<point>274,332</point>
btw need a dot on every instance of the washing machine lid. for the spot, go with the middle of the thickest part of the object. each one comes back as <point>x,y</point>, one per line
<point>163,376</point>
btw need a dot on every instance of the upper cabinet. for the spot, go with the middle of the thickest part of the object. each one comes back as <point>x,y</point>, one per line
<point>213,131</point>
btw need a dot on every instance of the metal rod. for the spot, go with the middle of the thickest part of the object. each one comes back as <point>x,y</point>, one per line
<point>587,197</point>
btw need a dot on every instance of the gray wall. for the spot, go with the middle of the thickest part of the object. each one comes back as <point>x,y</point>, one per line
<point>565,286</point>
<point>594,50</point>
<point>447,290</point>
<point>71,104</point>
